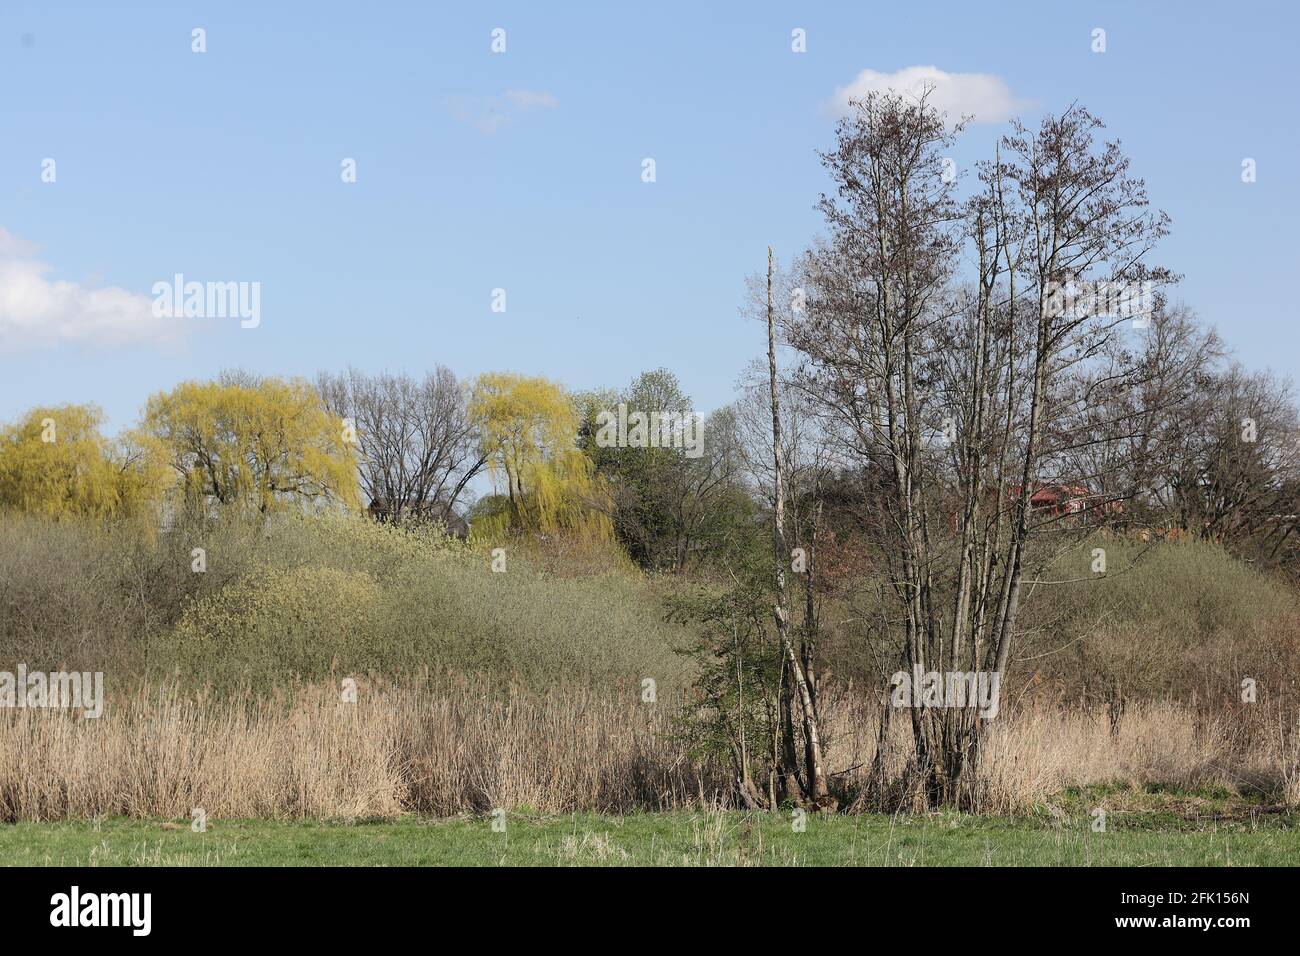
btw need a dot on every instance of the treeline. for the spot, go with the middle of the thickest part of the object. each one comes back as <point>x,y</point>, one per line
<point>407,449</point>
<point>1185,443</point>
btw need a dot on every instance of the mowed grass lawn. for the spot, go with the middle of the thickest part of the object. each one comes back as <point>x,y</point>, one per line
<point>666,839</point>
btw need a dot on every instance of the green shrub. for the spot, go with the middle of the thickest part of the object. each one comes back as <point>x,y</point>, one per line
<point>273,624</point>
<point>1165,620</point>
<point>313,596</point>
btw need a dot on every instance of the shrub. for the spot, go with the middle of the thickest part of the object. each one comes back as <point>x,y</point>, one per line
<point>275,623</point>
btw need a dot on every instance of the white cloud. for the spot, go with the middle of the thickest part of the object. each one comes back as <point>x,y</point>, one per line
<point>489,113</point>
<point>984,95</point>
<point>13,247</point>
<point>36,310</point>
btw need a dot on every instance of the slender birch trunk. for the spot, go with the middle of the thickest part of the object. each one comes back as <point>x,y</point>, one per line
<point>815,775</point>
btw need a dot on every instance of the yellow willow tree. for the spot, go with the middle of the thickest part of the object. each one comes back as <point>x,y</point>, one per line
<point>55,462</point>
<point>258,443</point>
<point>529,429</point>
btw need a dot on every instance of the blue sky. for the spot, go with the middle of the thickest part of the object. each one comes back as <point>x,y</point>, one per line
<point>522,171</point>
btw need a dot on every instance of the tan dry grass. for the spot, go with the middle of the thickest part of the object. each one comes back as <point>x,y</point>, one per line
<point>441,746</point>
<point>449,744</point>
<point>1034,753</point>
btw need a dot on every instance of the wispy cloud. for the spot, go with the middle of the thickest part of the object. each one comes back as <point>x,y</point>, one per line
<point>982,95</point>
<point>36,310</point>
<point>489,113</point>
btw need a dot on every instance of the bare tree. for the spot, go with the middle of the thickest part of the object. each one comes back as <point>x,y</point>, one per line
<point>1238,473</point>
<point>966,398</point>
<point>418,448</point>
<point>798,694</point>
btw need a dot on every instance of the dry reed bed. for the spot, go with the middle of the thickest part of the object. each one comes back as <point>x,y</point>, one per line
<point>1033,753</point>
<point>435,747</point>
<point>452,745</point>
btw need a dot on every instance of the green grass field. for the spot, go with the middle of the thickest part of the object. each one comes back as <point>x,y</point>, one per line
<point>678,839</point>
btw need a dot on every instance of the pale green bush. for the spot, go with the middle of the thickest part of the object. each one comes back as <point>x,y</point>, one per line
<point>273,624</point>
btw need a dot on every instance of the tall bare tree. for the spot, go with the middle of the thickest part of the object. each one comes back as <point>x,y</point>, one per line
<point>798,694</point>
<point>963,392</point>
<point>418,448</point>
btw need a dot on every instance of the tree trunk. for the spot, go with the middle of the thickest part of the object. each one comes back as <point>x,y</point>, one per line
<point>816,777</point>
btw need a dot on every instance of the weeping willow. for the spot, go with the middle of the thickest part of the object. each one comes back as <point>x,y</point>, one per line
<point>529,427</point>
